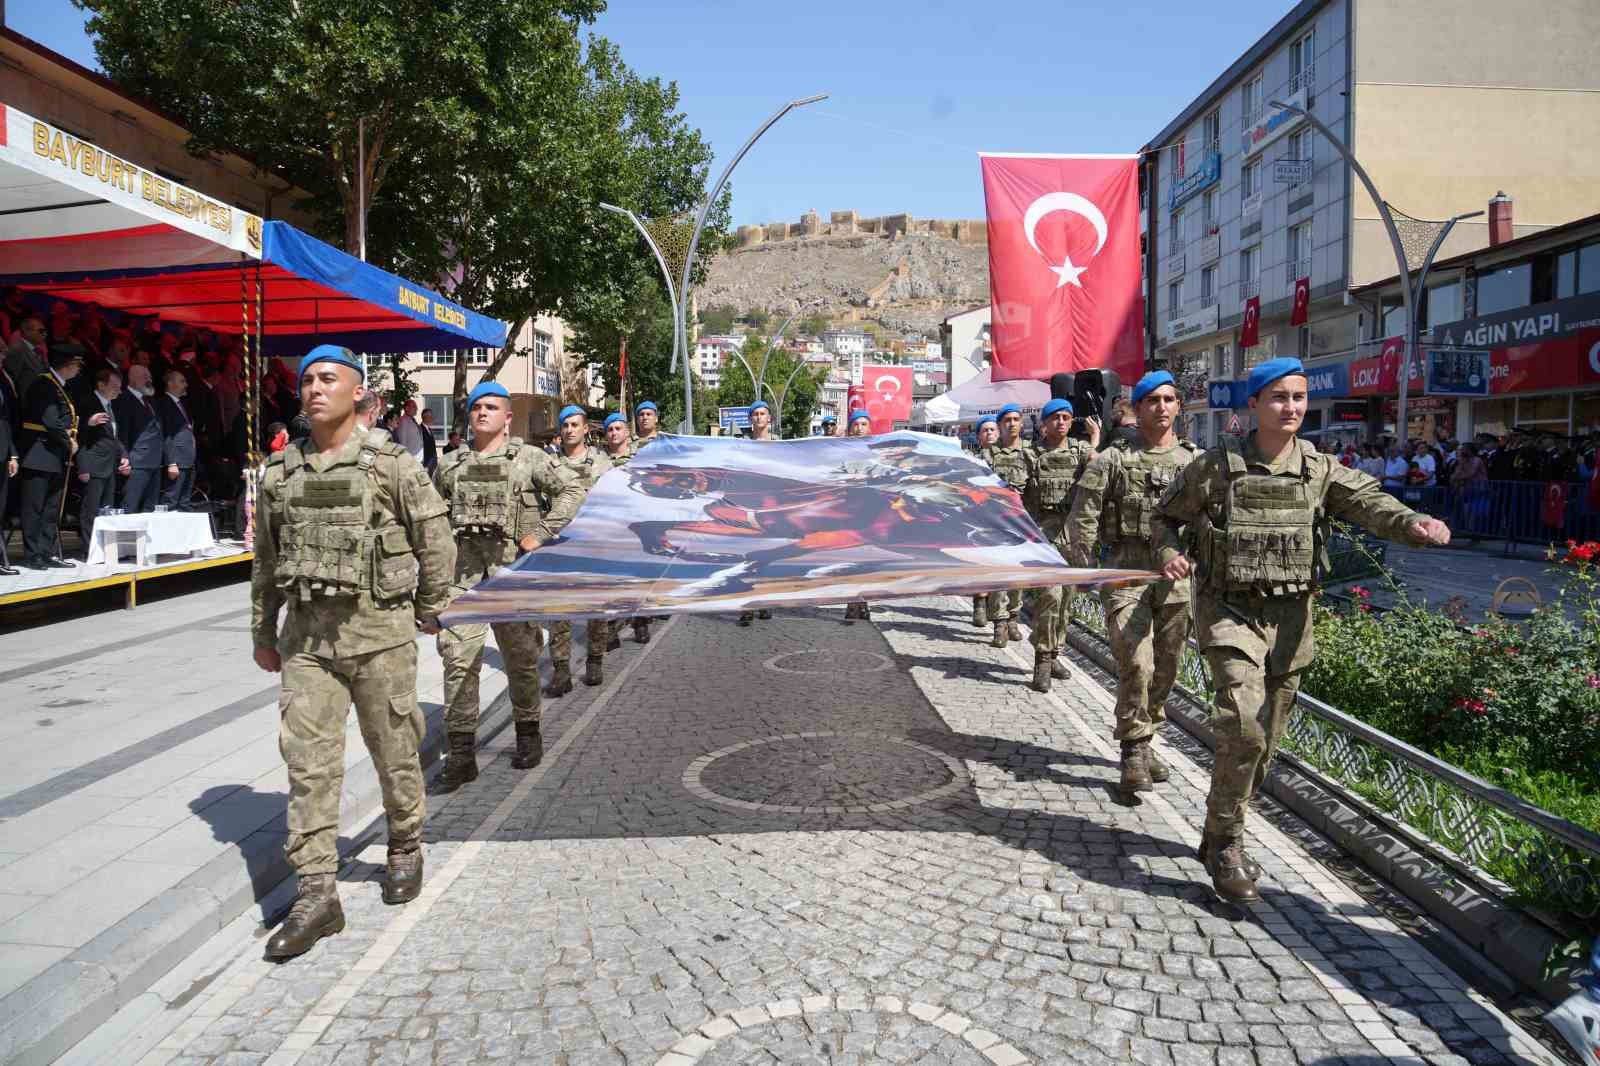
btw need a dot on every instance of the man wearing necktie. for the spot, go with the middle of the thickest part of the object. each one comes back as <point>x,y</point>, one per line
<point>10,422</point>
<point>139,430</point>
<point>100,453</point>
<point>177,443</point>
<point>49,439</point>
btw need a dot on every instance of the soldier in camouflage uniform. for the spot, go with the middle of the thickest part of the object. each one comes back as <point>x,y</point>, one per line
<point>986,433</point>
<point>760,430</point>
<point>1147,624</point>
<point>351,537</point>
<point>496,490</point>
<point>859,424</point>
<point>619,449</point>
<point>1058,465</point>
<point>645,419</point>
<point>587,465</point>
<point>1255,509</point>
<point>1011,458</point>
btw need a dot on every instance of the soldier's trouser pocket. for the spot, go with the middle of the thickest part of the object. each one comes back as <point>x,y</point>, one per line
<point>384,688</point>
<point>311,722</point>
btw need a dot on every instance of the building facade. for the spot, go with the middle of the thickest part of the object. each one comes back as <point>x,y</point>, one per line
<point>538,370</point>
<point>964,345</point>
<point>847,341</point>
<point>1444,103</point>
<point>711,354</point>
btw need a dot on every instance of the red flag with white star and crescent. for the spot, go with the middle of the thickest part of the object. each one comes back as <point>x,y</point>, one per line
<point>1302,302</point>
<point>1064,270</point>
<point>1250,331</point>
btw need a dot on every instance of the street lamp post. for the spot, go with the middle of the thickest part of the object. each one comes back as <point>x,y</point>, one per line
<point>1409,297</point>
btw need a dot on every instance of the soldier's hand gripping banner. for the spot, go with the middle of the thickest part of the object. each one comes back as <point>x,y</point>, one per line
<point>711,524</point>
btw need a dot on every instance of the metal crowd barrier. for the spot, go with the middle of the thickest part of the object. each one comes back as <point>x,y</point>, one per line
<point>1518,512</point>
<point>1498,839</point>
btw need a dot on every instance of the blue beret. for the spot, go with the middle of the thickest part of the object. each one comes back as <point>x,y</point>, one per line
<point>486,388</point>
<point>985,420</point>
<point>648,405</point>
<point>1056,405</point>
<point>332,353</point>
<point>828,418</point>
<point>1151,382</point>
<point>567,412</point>
<point>759,405</point>
<point>1266,373</point>
<point>612,419</point>
<point>1008,409</point>
<point>860,414</point>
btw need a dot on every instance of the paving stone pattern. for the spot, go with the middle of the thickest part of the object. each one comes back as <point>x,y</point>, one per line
<point>606,913</point>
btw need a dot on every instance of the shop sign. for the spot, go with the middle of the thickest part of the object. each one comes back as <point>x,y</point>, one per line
<point>1226,395</point>
<point>1175,265</point>
<point>1566,362</point>
<point>1251,205</point>
<point>1291,171</point>
<point>1526,325</point>
<point>1325,381</point>
<point>732,418</point>
<point>1194,324</point>
<point>1456,372</point>
<point>1348,412</point>
<point>1275,125</point>
<point>1207,174</point>
<point>1381,376</point>
<point>1211,248</point>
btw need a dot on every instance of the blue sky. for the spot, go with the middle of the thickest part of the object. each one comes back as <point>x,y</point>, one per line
<point>917,87</point>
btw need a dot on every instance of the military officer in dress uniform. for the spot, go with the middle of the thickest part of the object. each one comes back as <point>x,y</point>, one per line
<point>1147,624</point>
<point>985,433</point>
<point>47,444</point>
<point>1058,466</point>
<point>352,539</point>
<point>586,465</point>
<point>496,491</point>
<point>1256,510</point>
<point>1011,458</point>
<point>760,430</point>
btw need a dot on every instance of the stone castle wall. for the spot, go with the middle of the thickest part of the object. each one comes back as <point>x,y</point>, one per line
<point>969,231</point>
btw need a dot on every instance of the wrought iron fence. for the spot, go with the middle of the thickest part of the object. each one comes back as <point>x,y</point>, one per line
<point>1486,833</point>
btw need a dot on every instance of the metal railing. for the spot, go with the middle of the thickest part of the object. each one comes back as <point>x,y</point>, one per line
<point>1302,79</point>
<point>1470,825</point>
<point>1295,269</point>
<point>1519,512</point>
<point>1249,288</point>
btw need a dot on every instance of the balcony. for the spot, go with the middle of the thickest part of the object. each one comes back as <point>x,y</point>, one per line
<point>1208,300</point>
<point>1302,79</point>
<point>1296,269</point>
<point>1249,288</point>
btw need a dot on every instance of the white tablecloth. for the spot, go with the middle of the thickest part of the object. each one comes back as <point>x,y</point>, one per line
<point>164,533</point>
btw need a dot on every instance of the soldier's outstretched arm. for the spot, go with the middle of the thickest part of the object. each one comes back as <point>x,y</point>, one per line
<point>1182,504</point>
<point>565,491</point>
<point>427,520</point>
<point>1359,498</point>
<point>266,601</point>
<point>1084,520</point>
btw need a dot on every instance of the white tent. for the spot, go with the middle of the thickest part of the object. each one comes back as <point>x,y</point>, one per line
<point>982,395</point>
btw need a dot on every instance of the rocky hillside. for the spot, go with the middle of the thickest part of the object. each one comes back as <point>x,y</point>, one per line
<point>908,283</point>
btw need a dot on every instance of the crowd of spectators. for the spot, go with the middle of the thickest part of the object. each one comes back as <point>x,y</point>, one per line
<point>1517,456</point>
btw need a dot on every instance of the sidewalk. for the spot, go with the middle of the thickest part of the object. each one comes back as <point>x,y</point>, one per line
<point>809,843</point>
<point>143,807</point>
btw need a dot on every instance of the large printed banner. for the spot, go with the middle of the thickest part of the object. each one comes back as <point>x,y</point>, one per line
<point>715,524</point>
<point>1064,264</point>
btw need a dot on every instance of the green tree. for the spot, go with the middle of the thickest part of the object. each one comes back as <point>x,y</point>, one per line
<point>813,324</point>
<point>757,317</point>
<point>782,370</point>
<point>718,319</point>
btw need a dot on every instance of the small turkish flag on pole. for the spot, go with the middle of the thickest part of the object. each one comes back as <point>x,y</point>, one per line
<point>1302,302</point>
<point>1064,268</point>
<point>1250,332</point>
<point>622,375</point>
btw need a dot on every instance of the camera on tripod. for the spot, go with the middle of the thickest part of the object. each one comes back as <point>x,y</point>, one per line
<point>1092,393</point>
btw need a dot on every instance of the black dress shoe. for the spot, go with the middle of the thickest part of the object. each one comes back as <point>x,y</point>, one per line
<point>56,564</point>
<point>9,571</point>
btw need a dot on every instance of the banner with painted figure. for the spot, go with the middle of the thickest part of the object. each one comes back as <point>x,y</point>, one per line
<point>717,524</point>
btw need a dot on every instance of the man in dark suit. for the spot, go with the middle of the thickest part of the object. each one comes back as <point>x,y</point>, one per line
<point>10,422</point>
<point>25,358</point>
<point>48,441</point>
<point>139,430</point>
<point>100,454</point>
<point>177,442</point>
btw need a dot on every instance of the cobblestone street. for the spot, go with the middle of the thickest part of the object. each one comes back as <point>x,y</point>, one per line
<point>807,843</point>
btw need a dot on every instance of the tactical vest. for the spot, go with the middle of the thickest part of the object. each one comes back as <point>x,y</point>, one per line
<point>1009,464</point>
<point>332,541</point>
<point>485,498</point>
<point>1145,479</point>
<point>1058,470</point>
<point>1272,533</point>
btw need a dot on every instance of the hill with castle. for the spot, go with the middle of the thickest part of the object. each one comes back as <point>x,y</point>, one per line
<point>903,272</point>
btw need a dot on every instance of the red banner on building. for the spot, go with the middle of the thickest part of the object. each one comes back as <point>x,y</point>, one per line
<point>1302,302</point>
<point>1564,362</point>
<point>1064,264</point>
<point>1380,376</point>
<point>1250,331</point>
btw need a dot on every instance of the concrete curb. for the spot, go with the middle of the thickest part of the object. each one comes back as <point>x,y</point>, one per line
<point>44,1018</point>
<point>1522,947</point>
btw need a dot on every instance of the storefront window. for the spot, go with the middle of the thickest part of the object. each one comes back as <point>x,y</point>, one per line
<point>1493,416</point>
<point>1503,290</point>
<point>1589,268</point>
<point>1586,414</point>
<point>1444,304</point>
<point>1543,412</point>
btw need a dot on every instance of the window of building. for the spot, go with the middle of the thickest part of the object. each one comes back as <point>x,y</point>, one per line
<point>1250,178</point>
<point>1211,133</point>
<point>1441,304</point>
<point>1208,212</point>
<point>1394,317</point>
<point>1586,414</point>
<point>1504,289</point>
<point>1303,342</point>
<point>1300,142</point>
<point>1174,298</point>
<point>1589,267</point>
<point>442,407</point>
<point>1176,232</point>
<point>1222,361</point>
<point>1175,160</point>
<point>1567,274</point>
<point>541,350</point>
<point>1251,101</point>
<point>1249,271</point>
<point>1299,251</point>
<point>1302,62</point>
<point>1208,286</point>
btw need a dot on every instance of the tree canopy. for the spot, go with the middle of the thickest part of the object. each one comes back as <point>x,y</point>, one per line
<point>782,370</point>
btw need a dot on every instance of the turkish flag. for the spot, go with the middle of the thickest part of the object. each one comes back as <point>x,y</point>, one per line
<point>885,394</point>
<point>1302,302</point>
<point>1250,332</point>
<point>1064,268</point>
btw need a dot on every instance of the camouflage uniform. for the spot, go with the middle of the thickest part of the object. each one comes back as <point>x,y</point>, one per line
<point>494,500</point>
<point>1258,527</point>
<point>1147,624</point>
<point>356,544</point>
<point>1012,465</point>
<point>586,472</point>
<point>1055,475</point>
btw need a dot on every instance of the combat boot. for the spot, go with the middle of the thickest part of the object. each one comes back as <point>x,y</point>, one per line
<point>404,882</point>
<point>1013,631</point>
<point>1058,669</point>
<point>641,631</point>
<point>1041,670</point>
<point>1136,767</point>
<point>613,642</point>
<point>980,615</point>
<point>849,614</point>
<point>1160,771</point>
<point>764,614</point>
<point>999,640</point>
<point>1251,867</point>
<point>316,913</point>
<point>530,746</point>
<point>560,681</point>
<point>1229,878</point>
<point>746,617</point>
<point>594,671</point>
<point>462,765</point>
